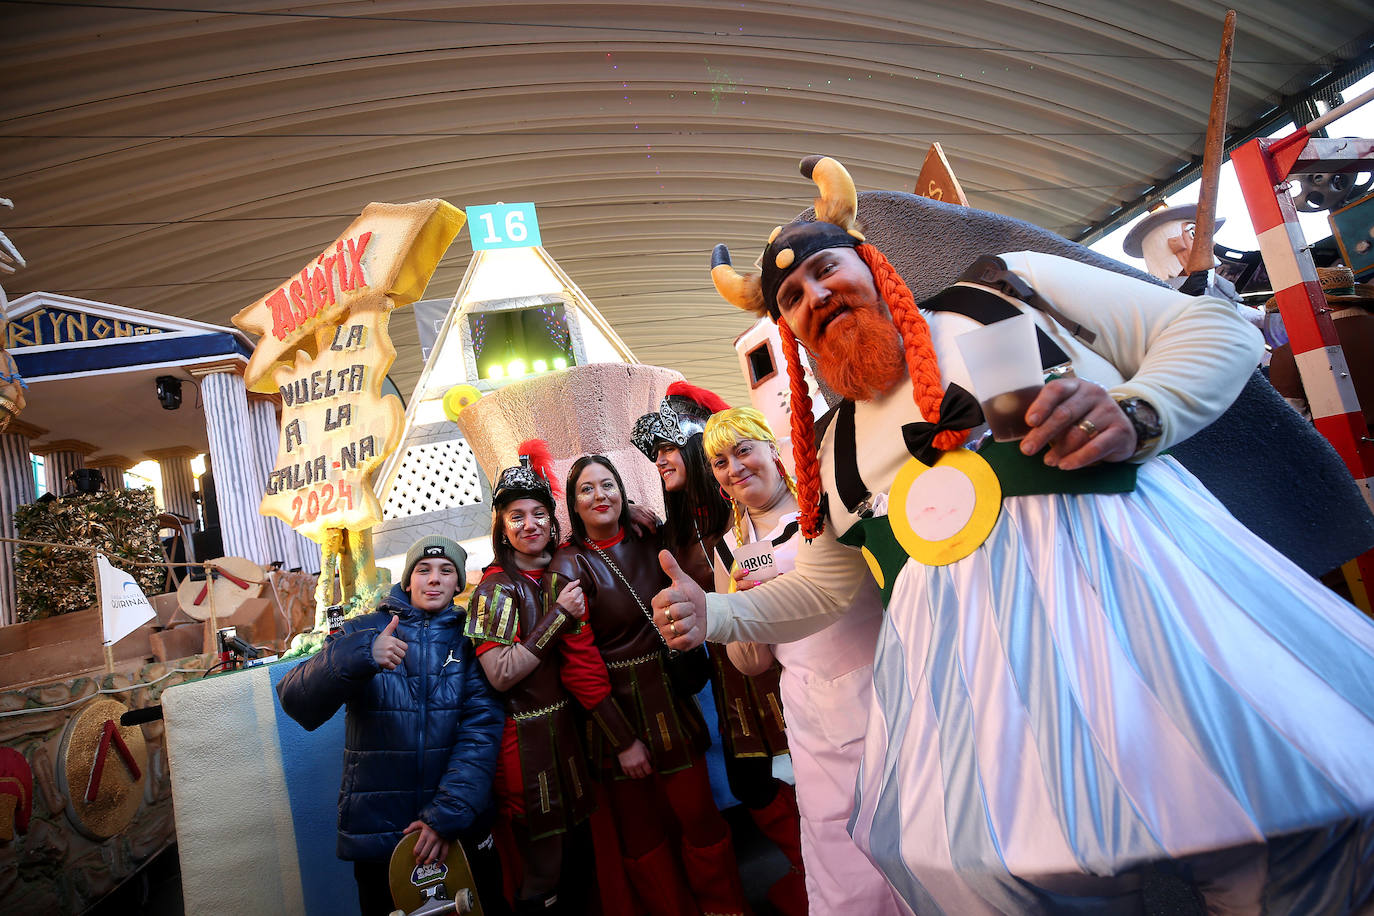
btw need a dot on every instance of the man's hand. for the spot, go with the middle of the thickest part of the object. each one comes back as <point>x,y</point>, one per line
<point>634,761</point>
<point>680,609</point>
<point>643,520</point>
<point>1081,424</point>
<point>571,600</point>
<point>430,847</point>
<point>389,650</point>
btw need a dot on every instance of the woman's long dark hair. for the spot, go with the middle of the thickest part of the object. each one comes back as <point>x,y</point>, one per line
<point>698,501</point>
<point>501,548</point>
<point>579,528</point>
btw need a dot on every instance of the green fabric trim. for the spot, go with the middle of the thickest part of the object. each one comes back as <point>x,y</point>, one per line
<point>1028,475</point>
<point>491,617</point>
<point>556,583</point>
<point>876,534</point>
<point>1018,475</point>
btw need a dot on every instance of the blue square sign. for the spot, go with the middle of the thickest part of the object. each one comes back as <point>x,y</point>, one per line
<point>503,226</point>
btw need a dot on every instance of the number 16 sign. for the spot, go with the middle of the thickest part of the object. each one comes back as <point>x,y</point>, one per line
<point>503,226</point>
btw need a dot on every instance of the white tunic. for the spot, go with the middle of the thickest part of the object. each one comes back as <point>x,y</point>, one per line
<point>826,677</point>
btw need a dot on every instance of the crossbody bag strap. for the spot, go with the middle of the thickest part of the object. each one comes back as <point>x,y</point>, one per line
<point>991,271</point>
<point>648,614</point>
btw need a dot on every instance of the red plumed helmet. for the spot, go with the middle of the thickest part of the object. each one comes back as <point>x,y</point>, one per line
<point>541,460</point>
<point>713,402</point>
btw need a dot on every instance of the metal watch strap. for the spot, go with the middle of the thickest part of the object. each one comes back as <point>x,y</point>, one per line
<point>1146,435</point>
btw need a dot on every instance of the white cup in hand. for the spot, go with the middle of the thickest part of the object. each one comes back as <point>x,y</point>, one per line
<point>757,561</point>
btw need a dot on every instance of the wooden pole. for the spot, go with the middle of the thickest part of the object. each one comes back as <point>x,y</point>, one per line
<point>210,645</point>
<point>1201,258</point>
<point>100,603</point>
<point>1341,110</point>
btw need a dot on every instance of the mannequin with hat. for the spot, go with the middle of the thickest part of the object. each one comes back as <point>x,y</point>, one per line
<point>1089,674</point>
<point>1164,239</point>
<point>749,709</point>
<point>537,652</point>
<point>423,727</point>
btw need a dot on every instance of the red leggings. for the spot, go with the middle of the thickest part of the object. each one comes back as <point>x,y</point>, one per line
<point>638,807</point>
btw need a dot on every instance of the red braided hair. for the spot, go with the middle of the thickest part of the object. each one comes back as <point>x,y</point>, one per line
<point>803,439</point>
<point>920,352</point>
<point>921,363</point>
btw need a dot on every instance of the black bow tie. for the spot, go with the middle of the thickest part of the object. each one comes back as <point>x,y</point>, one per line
<point>958,410</point>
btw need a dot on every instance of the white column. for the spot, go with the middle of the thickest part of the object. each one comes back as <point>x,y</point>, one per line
<point>60,458</point>
<point>283,541</point>
<point>178,483</point>
<point>16,489</point>
<point>239,481</point>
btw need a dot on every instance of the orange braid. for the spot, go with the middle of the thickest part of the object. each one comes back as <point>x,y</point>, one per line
<point>920,352</point>
<point>803,439</point>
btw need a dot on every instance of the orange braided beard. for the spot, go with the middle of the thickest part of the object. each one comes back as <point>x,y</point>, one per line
<point>860,352</point>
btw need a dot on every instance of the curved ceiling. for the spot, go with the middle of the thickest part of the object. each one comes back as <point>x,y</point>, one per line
<point>186,160</point>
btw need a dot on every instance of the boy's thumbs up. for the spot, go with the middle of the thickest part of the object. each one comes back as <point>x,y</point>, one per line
<point>388,649</point>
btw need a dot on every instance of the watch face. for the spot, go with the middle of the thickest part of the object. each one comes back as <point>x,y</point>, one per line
<point>1143,417</point>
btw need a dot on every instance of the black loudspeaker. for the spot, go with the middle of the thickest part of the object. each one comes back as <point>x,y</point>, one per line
<point>169,391</point>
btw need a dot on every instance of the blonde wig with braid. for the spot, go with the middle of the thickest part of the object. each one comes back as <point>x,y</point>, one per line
<point>727,427</point>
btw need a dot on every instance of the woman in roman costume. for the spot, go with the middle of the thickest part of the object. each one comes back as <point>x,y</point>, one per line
<point>618,572</point>
<point>749,709</point>
<point>537,652</point>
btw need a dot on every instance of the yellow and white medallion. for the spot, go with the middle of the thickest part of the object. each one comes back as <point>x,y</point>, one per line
<point>940,513</point>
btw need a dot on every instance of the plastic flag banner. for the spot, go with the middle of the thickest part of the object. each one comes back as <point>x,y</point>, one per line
<point>123,606</point>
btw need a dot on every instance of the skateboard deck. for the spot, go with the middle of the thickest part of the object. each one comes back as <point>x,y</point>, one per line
<point>412,884</point>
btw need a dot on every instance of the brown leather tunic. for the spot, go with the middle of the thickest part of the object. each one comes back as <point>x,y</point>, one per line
<point>671,726</point>
<point>553,765</point>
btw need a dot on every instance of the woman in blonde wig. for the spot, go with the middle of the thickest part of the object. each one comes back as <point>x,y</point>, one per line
<point>827,677</point>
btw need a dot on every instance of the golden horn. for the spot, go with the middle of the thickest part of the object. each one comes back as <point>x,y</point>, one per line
<point>838,202</point>
<point>735,288</point>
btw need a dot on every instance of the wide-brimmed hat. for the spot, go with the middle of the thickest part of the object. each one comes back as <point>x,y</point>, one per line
<point>1338,283</point>
<point>1135,239</point>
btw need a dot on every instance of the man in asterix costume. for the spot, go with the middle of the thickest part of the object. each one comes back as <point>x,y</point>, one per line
<point>1088,671</point>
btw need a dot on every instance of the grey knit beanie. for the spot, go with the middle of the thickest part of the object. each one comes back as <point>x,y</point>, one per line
<point>435,545</point>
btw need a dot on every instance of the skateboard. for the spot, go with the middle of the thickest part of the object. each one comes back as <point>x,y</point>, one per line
<point>432,890</point>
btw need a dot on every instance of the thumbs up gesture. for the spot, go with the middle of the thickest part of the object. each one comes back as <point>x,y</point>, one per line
<point>680,609</point>
<point>388,649</point>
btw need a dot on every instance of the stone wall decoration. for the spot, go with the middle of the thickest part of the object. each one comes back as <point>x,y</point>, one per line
<point>101,767</point>
<point>53,866</point>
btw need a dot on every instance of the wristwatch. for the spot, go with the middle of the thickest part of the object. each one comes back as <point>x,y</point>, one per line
<point>1145,419</point>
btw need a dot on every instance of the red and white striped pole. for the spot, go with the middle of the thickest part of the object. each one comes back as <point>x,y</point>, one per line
<point>1306,316</point>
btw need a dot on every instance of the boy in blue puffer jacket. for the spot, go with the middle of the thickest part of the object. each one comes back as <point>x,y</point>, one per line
<point>423,730</point>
